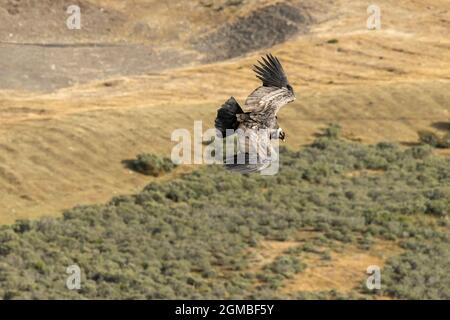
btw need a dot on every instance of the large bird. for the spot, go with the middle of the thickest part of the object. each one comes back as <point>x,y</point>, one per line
<point>257,125</point>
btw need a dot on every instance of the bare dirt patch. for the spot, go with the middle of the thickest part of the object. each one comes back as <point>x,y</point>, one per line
<point>268,250</point>
<point>262,28</point>
<point>44,21</point>
<point>345,271</point>
<point>50,67</point>
<point>365,173</point>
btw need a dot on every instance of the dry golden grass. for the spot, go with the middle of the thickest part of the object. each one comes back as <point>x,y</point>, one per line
<point>344,272</point>
<point>66,148</point>
<point>267,251</point>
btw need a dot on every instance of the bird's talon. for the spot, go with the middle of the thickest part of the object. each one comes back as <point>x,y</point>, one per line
<point>281,135</point>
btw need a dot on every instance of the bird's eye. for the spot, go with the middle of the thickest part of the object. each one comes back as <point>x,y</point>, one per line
<point>289,87</point>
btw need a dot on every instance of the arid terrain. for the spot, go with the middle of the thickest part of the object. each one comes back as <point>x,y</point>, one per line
<point>64,146</point>
<point>75,103</point>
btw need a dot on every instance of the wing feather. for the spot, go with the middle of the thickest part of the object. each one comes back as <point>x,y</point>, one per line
<point>275,91</point>
<point>266,99</point>
<point>271,72</point>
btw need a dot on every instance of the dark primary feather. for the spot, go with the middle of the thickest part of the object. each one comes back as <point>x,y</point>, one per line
<point>226,116</point>
<point>270,72</point>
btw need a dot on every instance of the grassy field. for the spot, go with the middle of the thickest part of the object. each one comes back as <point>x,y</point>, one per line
<point>75,107</point>
<point>334,209</point>
<point>65,147</point>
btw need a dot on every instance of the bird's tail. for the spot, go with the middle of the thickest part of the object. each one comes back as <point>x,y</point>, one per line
<point>226,117</point>
<point>245,163</point>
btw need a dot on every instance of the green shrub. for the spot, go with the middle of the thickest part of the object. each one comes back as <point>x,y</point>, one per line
<point>284,266</point>
<point>428,137</point>
<point>433,139</point>
<point>151,165</point>
<point>445,141</point>
<point>333,131</point>
<point>421,274</point>
<point>190,237</point>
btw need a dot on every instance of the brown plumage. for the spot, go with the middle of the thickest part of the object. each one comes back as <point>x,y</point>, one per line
<point>257,125</point>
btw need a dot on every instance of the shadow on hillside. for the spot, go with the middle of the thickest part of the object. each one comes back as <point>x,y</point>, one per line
<point>410,143</point>
<point>129,164</point>
<point>262,28</point>
<point>441,125</point>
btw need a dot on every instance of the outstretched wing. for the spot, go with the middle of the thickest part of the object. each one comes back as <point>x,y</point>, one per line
<point>271,72</point>
<point>254,138</point>
<point>268,100</point>
<point>275,91</point>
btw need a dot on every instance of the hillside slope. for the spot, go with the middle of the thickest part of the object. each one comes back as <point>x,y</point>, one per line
<point>62,144</point>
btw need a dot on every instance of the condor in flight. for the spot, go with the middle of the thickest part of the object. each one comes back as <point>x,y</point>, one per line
<point>257,125</point>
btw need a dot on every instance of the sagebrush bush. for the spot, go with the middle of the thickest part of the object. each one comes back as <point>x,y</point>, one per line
<point>445,141</point>
<point>428,137</point>
<point>421,273</point>
<point>150,164</point>
<point>333,131</point>
<point>190,237</point>
<point>433,139</point>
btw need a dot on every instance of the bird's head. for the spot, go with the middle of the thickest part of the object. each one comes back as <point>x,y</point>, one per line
<point>291,90</point>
